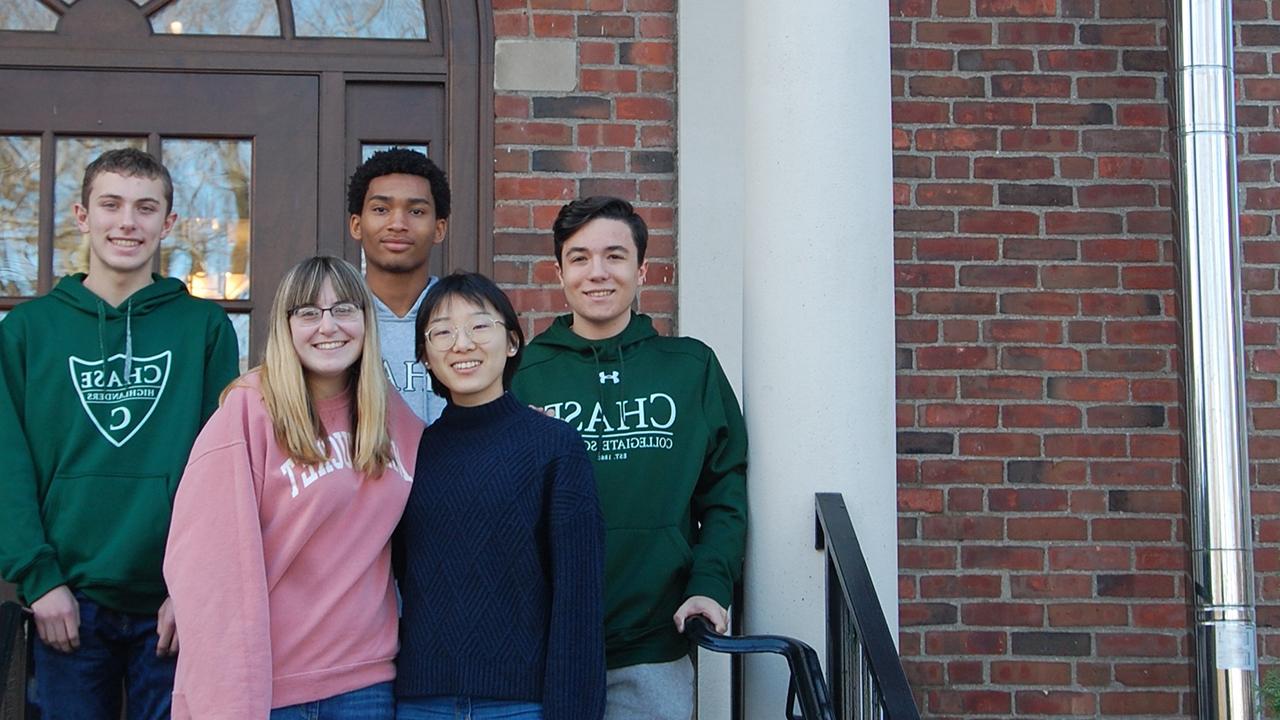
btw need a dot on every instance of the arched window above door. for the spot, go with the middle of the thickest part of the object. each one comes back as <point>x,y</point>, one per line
<point>367,19</point>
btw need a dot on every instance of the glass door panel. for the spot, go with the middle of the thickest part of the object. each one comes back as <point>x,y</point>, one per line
<point>209,244</point>
<point>19,214</point>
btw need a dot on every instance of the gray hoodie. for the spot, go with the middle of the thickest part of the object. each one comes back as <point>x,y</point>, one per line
<point>397,335</point>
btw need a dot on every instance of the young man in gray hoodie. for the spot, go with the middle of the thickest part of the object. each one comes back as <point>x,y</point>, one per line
<point>398,202</point>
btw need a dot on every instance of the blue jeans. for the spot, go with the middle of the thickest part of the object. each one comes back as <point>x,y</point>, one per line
<point>85,684</point>
<point>439,707</point>
<point>370,703</point>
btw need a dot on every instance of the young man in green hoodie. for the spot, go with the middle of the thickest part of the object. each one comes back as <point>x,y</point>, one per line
<point>104,384</point>
<point>669,447</point>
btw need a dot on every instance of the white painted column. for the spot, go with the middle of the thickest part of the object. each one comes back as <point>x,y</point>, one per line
<point>786,269</point>
<point>818,340</point>
<point>711,222</point>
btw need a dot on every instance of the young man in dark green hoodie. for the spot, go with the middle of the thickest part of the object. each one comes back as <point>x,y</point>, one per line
<point>669,447</point>
<point>104,384</point>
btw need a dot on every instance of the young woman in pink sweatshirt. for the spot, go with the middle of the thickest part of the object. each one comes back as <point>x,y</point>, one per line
<point>278,559</point>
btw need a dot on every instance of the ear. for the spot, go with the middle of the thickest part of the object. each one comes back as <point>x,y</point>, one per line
<point>168,224</point>
<point>559,274</point>
<point>353,227</point>
<point>82,217</point>
<point>513,344</point>
<point>641,272</point>
<point>442,227</point>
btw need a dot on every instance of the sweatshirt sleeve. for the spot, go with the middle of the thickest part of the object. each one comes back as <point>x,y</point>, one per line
<point>26,557</point>
<point>221,362</point>
<point>215,569</point>
<point>720,498</point>
<point>574,682</point>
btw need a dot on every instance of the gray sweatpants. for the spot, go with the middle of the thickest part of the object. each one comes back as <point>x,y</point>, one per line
<point>660,691</point>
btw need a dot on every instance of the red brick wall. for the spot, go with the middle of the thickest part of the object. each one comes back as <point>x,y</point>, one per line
<point>614,135</point>
<point>1042,513</point>
<point>1042,568</point>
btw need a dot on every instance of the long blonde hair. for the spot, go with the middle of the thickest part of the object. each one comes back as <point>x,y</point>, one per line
<point>297,425</point>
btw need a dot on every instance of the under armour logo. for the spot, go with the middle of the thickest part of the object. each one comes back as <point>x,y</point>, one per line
<point>613,377</point>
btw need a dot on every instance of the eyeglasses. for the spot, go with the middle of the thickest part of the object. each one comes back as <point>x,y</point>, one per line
<point>307,315</point>
<point>481,331</point>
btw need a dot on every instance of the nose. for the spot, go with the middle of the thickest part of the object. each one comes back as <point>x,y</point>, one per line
<point>399,219</point>
<point>597,268</point>
<point>327,323</point>
<point>462,341</point>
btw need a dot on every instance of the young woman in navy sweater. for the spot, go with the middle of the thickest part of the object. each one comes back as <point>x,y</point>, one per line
<point>500,552</point>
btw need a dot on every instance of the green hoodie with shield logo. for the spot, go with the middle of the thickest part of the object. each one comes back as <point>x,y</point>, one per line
<point>669,447</point>
<point>99,407</point>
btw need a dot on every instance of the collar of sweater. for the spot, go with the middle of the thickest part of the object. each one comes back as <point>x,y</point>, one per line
<point>480,416</point>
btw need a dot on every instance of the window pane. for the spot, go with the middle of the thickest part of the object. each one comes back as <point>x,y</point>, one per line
<point>367,151</point>
<point>240,321</point>
<point>383,19</point>
<point>26,15</point>
<point>72,154</point>
<point>218,17</point>
<point>19,215</point>
<point>209,245</point>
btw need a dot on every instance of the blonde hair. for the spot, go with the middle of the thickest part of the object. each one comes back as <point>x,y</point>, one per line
<point>297,425</point>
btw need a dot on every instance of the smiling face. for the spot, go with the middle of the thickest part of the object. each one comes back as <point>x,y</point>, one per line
<point>125,220</point>
<point>329,349</point>
<point>398,226</point>
<point>601,272</point>
<point>471,371</point>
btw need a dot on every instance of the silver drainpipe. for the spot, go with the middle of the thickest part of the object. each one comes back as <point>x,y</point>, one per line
<point>1204,179</point>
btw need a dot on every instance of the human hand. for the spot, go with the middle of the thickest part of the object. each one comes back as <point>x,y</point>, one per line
<point>167,629</point>
<point>707,608</point>
<point>58,619</point>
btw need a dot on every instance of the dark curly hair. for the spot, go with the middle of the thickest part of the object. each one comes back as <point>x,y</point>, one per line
<point>398,161</point>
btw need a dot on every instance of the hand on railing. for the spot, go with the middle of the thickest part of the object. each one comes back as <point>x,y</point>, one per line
<point>807,683</point>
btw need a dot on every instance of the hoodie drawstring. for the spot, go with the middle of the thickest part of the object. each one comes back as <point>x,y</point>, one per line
<point>128,337</point>
<point>102,331</point>
<point>128,340</point>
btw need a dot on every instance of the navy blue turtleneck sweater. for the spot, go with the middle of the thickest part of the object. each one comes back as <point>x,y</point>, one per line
<point>500,557</point>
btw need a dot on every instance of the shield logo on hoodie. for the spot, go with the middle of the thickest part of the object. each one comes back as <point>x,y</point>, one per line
<point>119,394</point>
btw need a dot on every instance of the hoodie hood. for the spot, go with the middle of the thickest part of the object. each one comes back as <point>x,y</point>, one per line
<point>71,290</point>
<point>161,290</point>
<point>560,337</point>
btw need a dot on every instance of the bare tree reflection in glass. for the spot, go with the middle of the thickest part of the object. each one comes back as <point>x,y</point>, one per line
<point>19,215</point>
<point>218,17</point>
<point>71,155</point>
<point>26,15</point>
<point>367,150</point>
<point>209,245</point>
<point>380,19</point>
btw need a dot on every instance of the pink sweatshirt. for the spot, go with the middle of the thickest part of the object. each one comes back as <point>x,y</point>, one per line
<point>280,574</point>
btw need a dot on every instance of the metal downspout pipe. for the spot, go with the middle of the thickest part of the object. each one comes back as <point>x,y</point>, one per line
<point>1204,180</point>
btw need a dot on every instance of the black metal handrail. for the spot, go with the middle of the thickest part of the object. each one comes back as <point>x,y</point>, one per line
<point>807,685</point>
<point>851,599</point>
